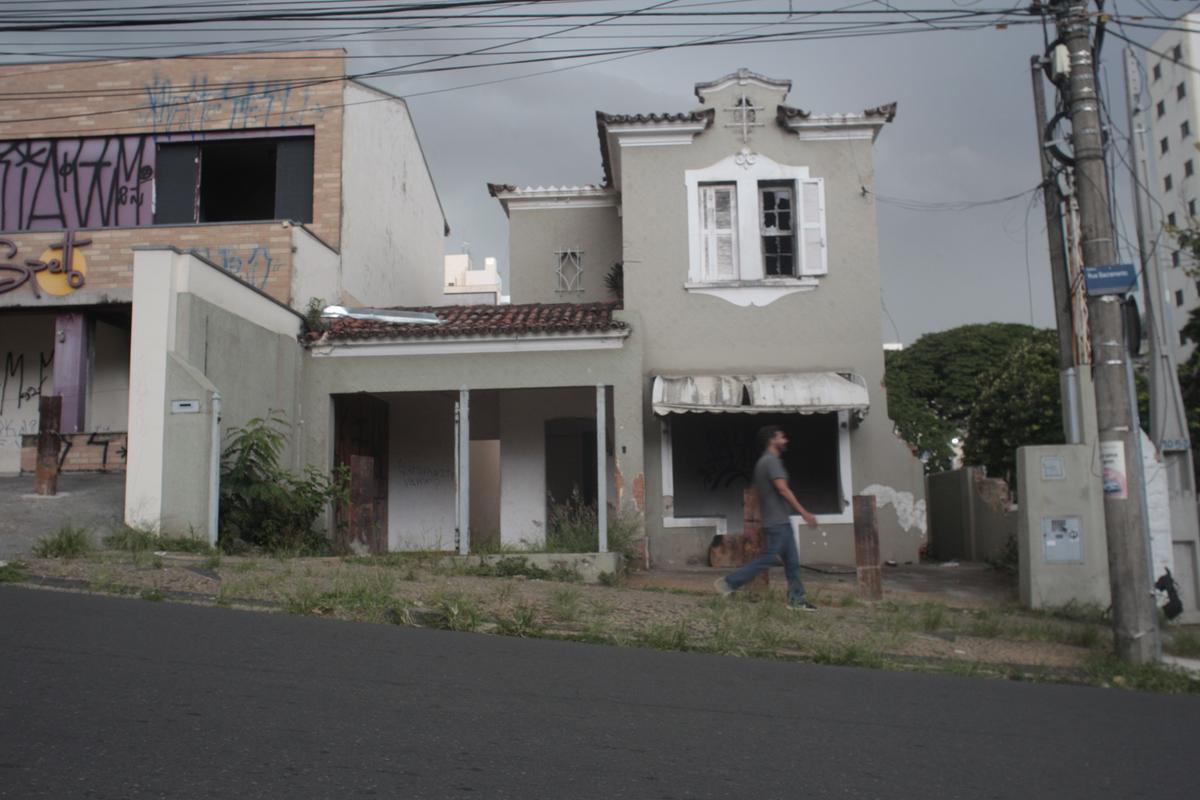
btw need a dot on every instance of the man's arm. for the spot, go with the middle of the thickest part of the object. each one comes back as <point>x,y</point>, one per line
<point>785,491</point>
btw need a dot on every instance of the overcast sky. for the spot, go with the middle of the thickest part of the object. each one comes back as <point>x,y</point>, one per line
<point>964,132</point>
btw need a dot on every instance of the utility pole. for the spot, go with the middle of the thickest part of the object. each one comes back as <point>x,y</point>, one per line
<point>1168,416</point>
<point>1135,614</point>
<point>1059,275</point>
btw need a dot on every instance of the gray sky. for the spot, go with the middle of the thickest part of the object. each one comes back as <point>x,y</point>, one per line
<point>964,131</point>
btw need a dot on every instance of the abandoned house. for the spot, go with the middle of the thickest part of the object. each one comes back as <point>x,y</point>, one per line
<point>272,167</point>
<point>723,275</point>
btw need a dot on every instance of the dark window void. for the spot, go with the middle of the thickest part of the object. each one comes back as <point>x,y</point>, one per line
<point>570,461</point>
<point>777,217</point>
<point>234,181</point>
<point>713,457</point>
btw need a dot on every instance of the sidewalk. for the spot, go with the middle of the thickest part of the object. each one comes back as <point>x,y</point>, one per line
<point>961,585</point>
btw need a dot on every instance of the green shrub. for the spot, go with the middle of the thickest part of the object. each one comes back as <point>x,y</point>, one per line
<point>13,572</point>
<point>266,506</point>
<point>573,527</point>
<point>69,542</point>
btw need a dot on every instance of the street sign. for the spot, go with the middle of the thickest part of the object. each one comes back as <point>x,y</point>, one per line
<point>1110,279</point>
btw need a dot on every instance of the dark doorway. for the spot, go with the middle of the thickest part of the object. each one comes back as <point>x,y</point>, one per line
<point>570,461</point>
<point>360,425</point>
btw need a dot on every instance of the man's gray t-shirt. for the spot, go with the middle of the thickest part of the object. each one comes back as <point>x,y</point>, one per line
<point>772,506</point>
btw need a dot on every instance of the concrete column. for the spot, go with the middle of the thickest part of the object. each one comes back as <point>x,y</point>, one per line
<point>72,368</point>
<point>602,466</point>
<point>464,471</point>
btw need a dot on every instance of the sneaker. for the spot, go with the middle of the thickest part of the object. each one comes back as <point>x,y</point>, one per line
<point>802,605</point>
<point>723,588</point>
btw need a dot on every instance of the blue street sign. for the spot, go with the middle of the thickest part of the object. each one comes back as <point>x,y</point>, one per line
<point>1110,279</point>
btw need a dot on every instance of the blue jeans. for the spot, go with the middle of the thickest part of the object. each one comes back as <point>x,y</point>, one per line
<point>780,544</point>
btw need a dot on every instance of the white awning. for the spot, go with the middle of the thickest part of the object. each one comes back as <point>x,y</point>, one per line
<point>787,393</point>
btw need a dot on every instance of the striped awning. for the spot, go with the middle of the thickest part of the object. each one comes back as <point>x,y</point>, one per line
<point>785,393</point>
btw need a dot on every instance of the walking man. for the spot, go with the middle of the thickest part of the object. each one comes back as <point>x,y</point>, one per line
<point>776,502</point>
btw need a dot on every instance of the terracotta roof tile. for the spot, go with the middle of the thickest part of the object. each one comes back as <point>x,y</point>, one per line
<point>485,321</point>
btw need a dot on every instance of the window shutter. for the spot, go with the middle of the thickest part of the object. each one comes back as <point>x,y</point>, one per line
<point>813,247</point>
<point>718,232</point>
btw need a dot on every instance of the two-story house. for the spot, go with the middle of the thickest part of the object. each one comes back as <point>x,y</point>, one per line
<point>272,166</point>
<point>742,238</point>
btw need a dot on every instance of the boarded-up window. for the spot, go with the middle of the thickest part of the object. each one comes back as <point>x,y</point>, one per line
<point>718,231</point>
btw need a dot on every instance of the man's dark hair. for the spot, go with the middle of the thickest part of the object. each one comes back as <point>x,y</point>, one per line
<point>765,434</point>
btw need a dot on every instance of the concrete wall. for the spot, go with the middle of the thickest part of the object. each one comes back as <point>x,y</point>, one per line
<point>393,225</point>
<point>27,355</point>
<point>317,270</point>
<point>536,234</point>
<point>835,326</point>
<point>421,494</point>
<point>1077,494</point>
<point>970,515</point>
<point>196,332</point>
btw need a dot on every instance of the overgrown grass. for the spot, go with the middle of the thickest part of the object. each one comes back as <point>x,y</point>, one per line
<point>153,595</point>
<point>1108,671</point>
<point>12,572</point>
<point>667,636</point>
<point>523,621</point>
<point>566,604</point>
<point>1185,643</point>
<point>68,542</point>
<point>140,540</point>
<point>457,611</point>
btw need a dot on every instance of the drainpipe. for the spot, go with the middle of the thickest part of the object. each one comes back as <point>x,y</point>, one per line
<point>214,476</point>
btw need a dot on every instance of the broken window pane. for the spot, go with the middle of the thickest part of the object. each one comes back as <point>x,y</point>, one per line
<point>778,236</point>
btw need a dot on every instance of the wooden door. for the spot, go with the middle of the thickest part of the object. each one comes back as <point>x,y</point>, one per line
<point>360,425</point>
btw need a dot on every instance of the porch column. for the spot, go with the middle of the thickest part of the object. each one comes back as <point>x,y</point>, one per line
<point>463,446</point>
<point>601,468</point>
<point>72,367</point>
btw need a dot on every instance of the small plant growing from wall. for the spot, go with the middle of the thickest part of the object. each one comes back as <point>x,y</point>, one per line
<point>314,323</point>
<point>266,506</point>
<point>614,281</point>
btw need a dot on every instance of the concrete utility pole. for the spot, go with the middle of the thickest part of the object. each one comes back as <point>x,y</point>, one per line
<point>1135,615</point>
<point>1059,276</point>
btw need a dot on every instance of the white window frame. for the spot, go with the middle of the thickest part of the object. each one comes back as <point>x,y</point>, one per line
<point>720,524</point>
<point>572,258</point>
<point>752,286</point>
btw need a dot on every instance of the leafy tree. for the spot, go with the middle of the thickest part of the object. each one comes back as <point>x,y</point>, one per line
<point>933,385</point>
<point>1019,404</point>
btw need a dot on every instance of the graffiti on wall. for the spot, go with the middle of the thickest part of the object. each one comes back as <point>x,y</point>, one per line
<point>21,384</point>
<point>252,263</point>
<point>76,183</point>
<point>183,107</point>
<point>57,275</point>
<point>22,381</point>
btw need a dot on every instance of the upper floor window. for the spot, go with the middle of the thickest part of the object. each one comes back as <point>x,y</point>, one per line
<point>1157,71</point>
<point>1191,208</point>
<point>1180,91</point>
<point>1189,169</point>
<point>755,225</point>
<point>1179,297</point>
<point>234,180</point>
<point>1171,219</point>
<point>1177,53</point>
<point>1168,184</point>
<point>568,271</point>
<point>1160,108</point>
<point>1185,129</point>
<point>1163,145</point>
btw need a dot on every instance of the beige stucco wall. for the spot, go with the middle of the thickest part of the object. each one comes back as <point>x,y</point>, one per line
<point>393,227</point>
<point>537,234</point>
<point>198,332</point>
<point>26,355</point>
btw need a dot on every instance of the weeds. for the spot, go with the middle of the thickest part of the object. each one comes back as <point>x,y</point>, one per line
<point>457,612</point>
<point>522,622</point>
<point>213,562</point>
<point>153,595</point>
<point>142,540</point>
<point>1181,643</point>
<point>665,637</point>
<point>850,655</point>
<point>69,542</point>
<point>565,604</point>
<point>1109,671</point>
<point>932,617</point>
<point>12,572</point>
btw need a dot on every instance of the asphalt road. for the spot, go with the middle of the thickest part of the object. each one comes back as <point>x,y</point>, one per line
<point>122,698</point>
